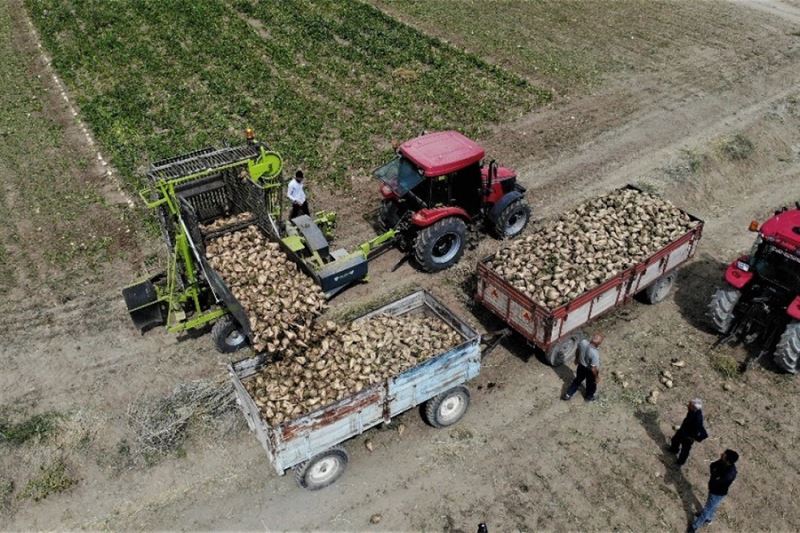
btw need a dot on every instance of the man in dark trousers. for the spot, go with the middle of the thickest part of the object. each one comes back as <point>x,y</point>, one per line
<point>588,359</point>
<point>297,195</point>
<point>723,472</point>
<point>691,431</point>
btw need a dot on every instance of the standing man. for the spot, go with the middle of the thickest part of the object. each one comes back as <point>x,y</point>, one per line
<point>588,368</point>
<point>297,196</point>
<point>723,472</point>
<point>691,431</point>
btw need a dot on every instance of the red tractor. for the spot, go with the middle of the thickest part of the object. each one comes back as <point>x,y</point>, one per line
<point>437,189</point>
<point>762,299</point>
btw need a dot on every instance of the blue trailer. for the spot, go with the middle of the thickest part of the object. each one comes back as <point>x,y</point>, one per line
<point>311,443</point>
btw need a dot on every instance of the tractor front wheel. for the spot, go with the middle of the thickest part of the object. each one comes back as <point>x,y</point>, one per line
<point>787,353</point>
<point>720,310</point>
<point>388,215</point>
<point>440,245</point>
<point>227,335</point>
<point>513,219</point>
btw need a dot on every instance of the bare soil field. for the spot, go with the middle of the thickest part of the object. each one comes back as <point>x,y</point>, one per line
<point>672,116</point>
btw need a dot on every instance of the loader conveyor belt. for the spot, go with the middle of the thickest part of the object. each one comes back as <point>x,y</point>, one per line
<point>200,161</point>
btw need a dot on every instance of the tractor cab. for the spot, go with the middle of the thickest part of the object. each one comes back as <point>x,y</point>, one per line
<point>440,178</point>
<point>762,298</point>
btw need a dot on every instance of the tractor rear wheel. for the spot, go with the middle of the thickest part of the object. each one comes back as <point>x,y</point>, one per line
<point>441,244</point>
<point>563,352</point>
<point>721,308</point>
<point>659,289</point>
<point>513,219</point>
<point>228,336</point>
<point>787,353</point>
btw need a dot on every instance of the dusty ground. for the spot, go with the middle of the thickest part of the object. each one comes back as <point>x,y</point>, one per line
<point>521,459</point>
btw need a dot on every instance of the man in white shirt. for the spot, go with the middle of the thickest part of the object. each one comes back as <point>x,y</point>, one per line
<point>297,196</point>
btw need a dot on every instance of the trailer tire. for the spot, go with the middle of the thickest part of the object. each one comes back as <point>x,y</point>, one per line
<point>227,335</point>
<point>447,408</point>
<point>563,352</point>
<point>787,352</point>
<point>440,245</point>
<point>322,470</point>
<point>659,289</point>
<point>720,310</point>
<point>513,219</point>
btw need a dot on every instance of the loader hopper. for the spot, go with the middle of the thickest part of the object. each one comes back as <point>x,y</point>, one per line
<point>144,305</point>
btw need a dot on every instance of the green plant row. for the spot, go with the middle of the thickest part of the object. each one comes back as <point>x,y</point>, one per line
<point>329,84</point>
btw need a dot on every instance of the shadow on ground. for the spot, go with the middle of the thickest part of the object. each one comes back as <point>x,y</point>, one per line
<point>673,475</point>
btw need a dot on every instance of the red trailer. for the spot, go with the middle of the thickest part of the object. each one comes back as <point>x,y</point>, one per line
<point>557,331</point>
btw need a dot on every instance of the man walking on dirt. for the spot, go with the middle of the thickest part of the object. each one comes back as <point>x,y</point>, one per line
<point>588,358</point>
<point>723,473</point>
<point>297,196</point>
<point>691,431</point>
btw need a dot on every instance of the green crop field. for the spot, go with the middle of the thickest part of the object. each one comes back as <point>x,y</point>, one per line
<point>329,84</point>
<point>571,44</point>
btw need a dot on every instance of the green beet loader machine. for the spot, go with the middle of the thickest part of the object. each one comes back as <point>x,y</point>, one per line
<point>197,188</point>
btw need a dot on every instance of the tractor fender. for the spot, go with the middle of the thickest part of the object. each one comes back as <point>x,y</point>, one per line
<point>794,308</point>
<point>504,202</point>
<point>735,276</point>
<point>425,217</point>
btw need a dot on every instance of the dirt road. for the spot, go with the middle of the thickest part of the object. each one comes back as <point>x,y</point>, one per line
<point>521,459</point>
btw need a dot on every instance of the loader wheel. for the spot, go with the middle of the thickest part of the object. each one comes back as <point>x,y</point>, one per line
<point>227,335</point>
<point>440,245</point>
<point>322,469</point>
<point>787,353</point>
<point>563,352</point>
<point>721,308</point>
<point>659,289</point>
<point>447,408</point>
<point>388,215</point>
<point>513,219</point>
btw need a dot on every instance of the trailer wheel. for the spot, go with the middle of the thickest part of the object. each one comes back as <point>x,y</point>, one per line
<point>447,408</point>
<point>441,244</point>
<point>513,219</point>
<point>659,289</point>
<point>563,352</point>
<point>721,308</point>
<point>787,353</point>
<point>322,469</point>
<point>227,335</point>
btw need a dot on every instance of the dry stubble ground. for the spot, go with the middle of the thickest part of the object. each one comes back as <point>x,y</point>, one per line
<point>520,459</point>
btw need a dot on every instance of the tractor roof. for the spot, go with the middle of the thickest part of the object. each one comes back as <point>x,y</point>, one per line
<point>784,228</point>
<point>442,152</point>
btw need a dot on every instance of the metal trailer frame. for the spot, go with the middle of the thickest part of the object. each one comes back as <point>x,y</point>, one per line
<point>544,328</point>
<point>300,439</point>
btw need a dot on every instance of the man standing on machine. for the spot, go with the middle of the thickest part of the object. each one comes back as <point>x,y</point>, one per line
<point>297,196</point>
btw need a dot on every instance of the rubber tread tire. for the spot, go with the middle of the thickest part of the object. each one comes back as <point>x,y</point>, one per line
<point>432,406</point>
<point>552,357</point>
<point>787,352</point>
<point>721,308</point>
<point>650,293</point>
<point>426,239</point>
<point>220,331</point>
<point>301,469</point>
<point>388,215</point>
<point>505,215</point>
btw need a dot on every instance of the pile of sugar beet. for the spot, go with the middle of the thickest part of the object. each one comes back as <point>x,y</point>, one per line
<point>592,243</point>
<point>316,362</point>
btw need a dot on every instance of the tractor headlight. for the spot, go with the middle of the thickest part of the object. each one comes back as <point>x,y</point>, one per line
<point>741,265</point>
